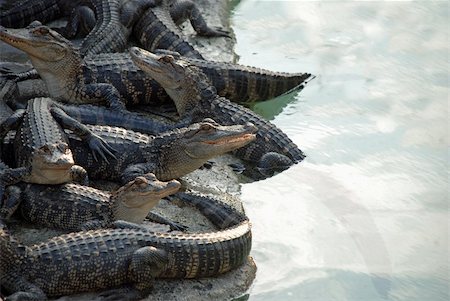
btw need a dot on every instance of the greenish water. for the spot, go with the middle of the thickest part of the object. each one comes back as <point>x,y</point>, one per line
<point>365,215</point>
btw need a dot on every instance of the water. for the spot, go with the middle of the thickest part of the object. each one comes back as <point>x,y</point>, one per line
<point>365,215</point>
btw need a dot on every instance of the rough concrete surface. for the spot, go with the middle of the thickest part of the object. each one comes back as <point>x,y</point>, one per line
<point>219,180</point>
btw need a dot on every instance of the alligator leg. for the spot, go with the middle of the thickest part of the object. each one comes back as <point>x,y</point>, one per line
<point>81,21</point>
<point>79,174</point>
<point>102,92</point>
<point>182,10</point>
<point>146,263</point>
<point>131,11</point>
<point>96,143</point>
<point>157,218</point>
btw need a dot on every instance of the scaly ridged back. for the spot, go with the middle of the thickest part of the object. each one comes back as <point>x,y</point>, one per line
<point>37,129</point>
<point>66,206</point>
<point>107,35</point>
<point>25,12</point>
<point>249,84</point>
<point>84,261</point>
<point>131,82</point>
<point>269,138</point>
<point>156,30</point>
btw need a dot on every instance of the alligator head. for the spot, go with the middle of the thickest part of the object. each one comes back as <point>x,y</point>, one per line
<point>135,199</point>
<point>51,164</point>
<point>184,150</point>
<point>53,56</point>
<point>183,82</point>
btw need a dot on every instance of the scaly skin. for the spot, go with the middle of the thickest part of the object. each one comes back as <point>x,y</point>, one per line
<point>108,34</point>
<point>195,98</point>
<point>8,176</point>
<point>42,145</point>
<point>169,155</point>
<point>100,259</point>
<point>157,28</point>
<point>113,78</point>
<point>76,207</point>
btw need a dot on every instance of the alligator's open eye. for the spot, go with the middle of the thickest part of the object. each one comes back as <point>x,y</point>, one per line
<point>206,126</point>
<point>141,181</point>
<point>45,149</point>
<point>150,177</point>
<point>166,59</point>
<point>41,30</point>
<point>63,148</point>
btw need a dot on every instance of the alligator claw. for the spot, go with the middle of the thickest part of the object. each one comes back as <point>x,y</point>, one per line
<point>177,227</point>
<point>220,32</point>
<point>101,147</point>
<point>237,167</point>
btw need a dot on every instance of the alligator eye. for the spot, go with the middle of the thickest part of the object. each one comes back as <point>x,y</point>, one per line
<point>166,59</point>
<point>150,177</point>
<point>42,30</point>
<point>206,126</point>
<point>140,181</point>
<point>45,149</point>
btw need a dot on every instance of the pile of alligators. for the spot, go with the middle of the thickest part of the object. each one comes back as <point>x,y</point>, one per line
<point>88,124</point>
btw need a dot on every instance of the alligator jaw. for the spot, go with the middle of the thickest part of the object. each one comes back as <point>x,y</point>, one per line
<point>37,41</point>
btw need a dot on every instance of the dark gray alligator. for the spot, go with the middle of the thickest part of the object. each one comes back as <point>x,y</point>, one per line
<point>196,98</point>
<point>113,78</point>
<point>77,207</point>
<point>42,145</point>
<point>102,259</point>
<point>157,28</point>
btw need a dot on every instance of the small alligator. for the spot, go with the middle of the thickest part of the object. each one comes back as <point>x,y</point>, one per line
<point>157,28</point>
<point>193,95</point>
<point>113,78</point>
<point>76,207</point>
<point>41,143</point>
<point>168,155</point>
<point>102,259</point>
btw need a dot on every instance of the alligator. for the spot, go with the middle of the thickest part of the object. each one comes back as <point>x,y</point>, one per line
<point>157,28</point>
<point>193,94</point>
<point>168,155</point>
<point>112,78</point>
<point>42,145</point>
<point>76,207</point>
<point>108,33</point>
<point>126,259</point>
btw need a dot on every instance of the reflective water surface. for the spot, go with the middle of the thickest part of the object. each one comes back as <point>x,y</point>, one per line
<point>365,215</point>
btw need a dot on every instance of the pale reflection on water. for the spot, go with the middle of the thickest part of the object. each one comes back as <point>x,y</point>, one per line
<point>365,216</point>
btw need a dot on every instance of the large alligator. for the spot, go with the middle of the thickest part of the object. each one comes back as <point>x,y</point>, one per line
<point>113,78</point>
<point>76,207</point>
<point>157,28</point>
<point>102,259</point>
<point>193,95</point>
<point>42,145</point>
